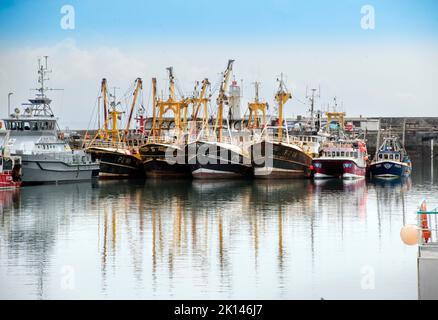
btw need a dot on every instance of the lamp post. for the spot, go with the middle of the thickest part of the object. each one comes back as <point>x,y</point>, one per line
<point>9,103</point>
<point>431,160</point>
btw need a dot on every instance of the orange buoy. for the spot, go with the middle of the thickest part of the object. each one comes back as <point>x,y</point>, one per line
<point>424,223</point>
<point>410,234</point>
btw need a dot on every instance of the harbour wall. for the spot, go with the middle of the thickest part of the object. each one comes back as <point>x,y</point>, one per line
<point>417,132</point>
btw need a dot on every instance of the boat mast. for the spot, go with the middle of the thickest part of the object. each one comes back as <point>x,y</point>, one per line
<point>40,105</point>
<point>138,87</point>
<point>42,71</point>
<point>197,102</point>
<point>201,100</point>
<point>312,106</point>
<point>154,105</point>
<point>114,115</point>
<point>105,106</point>
<point>282,96</point>
<point>222,98</point>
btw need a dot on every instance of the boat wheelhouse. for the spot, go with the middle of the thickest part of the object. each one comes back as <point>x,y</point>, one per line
<point>311,142</point>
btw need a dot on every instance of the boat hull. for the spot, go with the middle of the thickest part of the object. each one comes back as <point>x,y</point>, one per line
<point>117,165</point>
<point>219,163</point>
<point>220,171</point>
<point>338,168</point>
<point>389,169</point>
<point>7,181</point>
<point>52,171</point>
<point>155,162</point>
<point>279,161</point>
<point>161,168</point>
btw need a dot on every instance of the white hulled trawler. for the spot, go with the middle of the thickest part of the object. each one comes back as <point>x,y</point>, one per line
<point>34,136</point>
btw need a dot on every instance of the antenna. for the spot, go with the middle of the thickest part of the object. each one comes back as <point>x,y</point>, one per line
<point>335,104</point>
<point>312,103</point>
<point>113,103</point>
<point>43,72</point>
<point>256,88</point>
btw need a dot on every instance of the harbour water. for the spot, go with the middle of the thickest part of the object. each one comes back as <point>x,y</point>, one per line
<point>164,239</point>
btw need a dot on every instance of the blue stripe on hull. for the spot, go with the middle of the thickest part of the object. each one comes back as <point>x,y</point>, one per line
<point>389,169</point>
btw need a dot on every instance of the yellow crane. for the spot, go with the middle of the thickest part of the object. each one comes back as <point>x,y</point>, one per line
<point>338,116</point>
<point>171,104</point>
<point>255,108</point>
<point>222,98</point>
<point>110,130</point>
<point>111,115</point>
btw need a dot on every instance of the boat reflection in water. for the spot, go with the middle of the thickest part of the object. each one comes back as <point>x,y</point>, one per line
<point>205,239</point>
<point>349,194</point>
<point>8,198</point>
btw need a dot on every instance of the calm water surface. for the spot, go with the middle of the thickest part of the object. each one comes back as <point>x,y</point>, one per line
<point>216,239</point>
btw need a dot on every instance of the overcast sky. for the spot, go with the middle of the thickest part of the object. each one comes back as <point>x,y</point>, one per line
<point>391,70</point>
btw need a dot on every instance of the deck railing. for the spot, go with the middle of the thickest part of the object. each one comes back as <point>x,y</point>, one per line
<point>107,144</point>
<point>68,157</point>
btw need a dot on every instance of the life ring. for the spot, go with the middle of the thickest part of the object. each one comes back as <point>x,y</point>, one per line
<point>424,223</point>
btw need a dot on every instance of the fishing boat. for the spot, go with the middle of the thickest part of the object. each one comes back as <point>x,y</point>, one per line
<point>10,166</point>
<point>219,160</point>
<point>162,158</point>
<point>340,158</point>
<point>117,158</point>
<point>273,156</point>
<point>35,137</point>
<point>391,160</point>
<point>163,155</point>
<point>215,156</point>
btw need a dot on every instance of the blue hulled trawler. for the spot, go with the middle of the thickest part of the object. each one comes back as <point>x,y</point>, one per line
<point>391,160</point>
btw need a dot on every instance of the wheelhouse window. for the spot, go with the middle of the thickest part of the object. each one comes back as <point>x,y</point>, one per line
<point>7,164</point>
